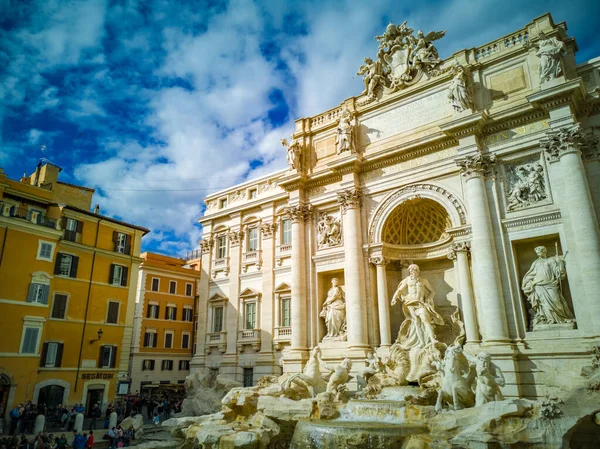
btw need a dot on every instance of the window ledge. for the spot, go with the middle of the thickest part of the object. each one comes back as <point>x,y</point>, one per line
<point>22,303</point>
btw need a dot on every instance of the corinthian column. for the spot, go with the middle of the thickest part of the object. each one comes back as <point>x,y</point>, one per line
<point>299,214</point>
<point>354,270</point>
<point>564,148</point>
<point>460,251</point>
<point>486,275</point>
<point>383,304</point>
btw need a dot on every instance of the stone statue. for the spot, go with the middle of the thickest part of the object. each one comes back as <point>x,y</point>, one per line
<point>542,286</point>
<point>334,312</point>
<point>425,54</point>
<point>344,138</point>
<point>311,377</point>
<point>373,77</point>
<point>416,293</point>
<point>328,231</point>
<point>340,377</point>
<point>455,389</point>
<point>460,93</point>
<point>550,51</point>
<point>374,366</point>
<point>527,186</point>
<point>293,153</point>
<point>489,379</point>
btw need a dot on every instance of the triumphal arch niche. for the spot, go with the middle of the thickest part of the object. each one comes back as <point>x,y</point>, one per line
<point>454,201</point>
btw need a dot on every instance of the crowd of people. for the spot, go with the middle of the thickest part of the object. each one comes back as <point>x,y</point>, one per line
<point>49,441</point>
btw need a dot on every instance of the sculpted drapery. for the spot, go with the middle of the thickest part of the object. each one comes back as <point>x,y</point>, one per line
<point>334,312</point>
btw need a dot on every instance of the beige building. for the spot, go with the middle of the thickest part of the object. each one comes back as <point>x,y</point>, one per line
<point>461,166</point>
<point>163,332</point>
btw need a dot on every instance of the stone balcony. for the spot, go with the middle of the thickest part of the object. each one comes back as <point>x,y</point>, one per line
<point>282,335</point>
<point>249,337</point>
<point>216,340</point>
<point>250,258</point>
<point>220,266</point>
<point>284,251</point>
<point>31,216</point>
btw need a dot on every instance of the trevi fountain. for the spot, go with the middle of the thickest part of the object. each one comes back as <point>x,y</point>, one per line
<point>512,360</point>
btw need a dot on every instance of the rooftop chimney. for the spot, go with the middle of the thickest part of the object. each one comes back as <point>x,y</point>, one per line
<point>97,209</point>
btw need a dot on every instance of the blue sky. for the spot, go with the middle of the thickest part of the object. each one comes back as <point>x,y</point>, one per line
<point>157,103</point>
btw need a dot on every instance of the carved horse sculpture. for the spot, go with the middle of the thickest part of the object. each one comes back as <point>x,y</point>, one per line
<point>311,377</point>
<point>457,377</point>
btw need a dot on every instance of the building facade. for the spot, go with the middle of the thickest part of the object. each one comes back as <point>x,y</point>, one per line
<point>164,332</point>
<point>461,166</point>
<point>67,293</point>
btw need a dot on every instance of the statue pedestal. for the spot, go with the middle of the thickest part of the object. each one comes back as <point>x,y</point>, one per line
<point>554,327</point>
<point>333,350</point>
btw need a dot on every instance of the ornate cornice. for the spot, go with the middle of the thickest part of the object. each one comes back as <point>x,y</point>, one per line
<point>476,165</point>
<point>568,140</point>
<point>379,261</point>
<point>267,230</point>
<point>235,237</point>
<point>535,221</point>
<point>299,213</point>
<point>350,199</point>
<point>461,246</point>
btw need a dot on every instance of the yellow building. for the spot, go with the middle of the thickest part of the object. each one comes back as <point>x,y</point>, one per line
<point>68,278</point>
<point>163,336</point>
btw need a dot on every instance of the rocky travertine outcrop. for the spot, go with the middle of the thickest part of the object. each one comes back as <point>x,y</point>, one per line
<point>204,393</point>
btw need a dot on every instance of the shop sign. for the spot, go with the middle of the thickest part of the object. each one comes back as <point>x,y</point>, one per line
<point>99,375</point>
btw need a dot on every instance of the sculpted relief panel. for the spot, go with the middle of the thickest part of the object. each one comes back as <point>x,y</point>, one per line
<point>329,231</point>
<point>525,184</point>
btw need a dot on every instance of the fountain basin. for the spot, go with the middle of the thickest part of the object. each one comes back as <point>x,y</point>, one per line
<point>334,434</point>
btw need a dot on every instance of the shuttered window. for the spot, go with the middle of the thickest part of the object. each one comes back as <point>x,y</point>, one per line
<point>184,365</point>
<point>30,340</point>
<point>152,311</point>
<point>172,287</point>
<point>148,365</point>
<point>185,341</point>
<point>188,289</point>
<point>155,284</point>
<point>38,293</point>
<point>52,353</point>
<point>187,314</point>
<point>66,265</point>
<point>112,315</point>
<point>167,365</point>
<point>122,242</point>
<point>150,339</point>
<point>108,357</point>
<point>59,306</point>
<point>118,275</point>
<point>168,340</point>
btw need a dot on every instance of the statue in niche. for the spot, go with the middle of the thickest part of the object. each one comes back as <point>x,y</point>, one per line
<point>542,285</point>
<point>334,312</point>
<point>328,231</point>
<point>527,186</point>
<point>293,152</point>
<point>460,93</point>
<point>550,51</point>
<point>344,139</point>
<point>416,294</point>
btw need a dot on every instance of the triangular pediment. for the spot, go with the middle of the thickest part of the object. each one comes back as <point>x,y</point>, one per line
<point>217,297</point>
<point>283,287</point>
<point>248,292</point>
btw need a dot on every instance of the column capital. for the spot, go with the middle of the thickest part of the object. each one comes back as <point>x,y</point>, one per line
<point>566,140</point>
<point>451,255</point>
<point>350,198</point>
<point>299,213</point>
<point>267,230</point>
<point>477,165</point>
<point>461,246</point>
<point>206,244</point>
<point>235,237</point>
<point>379,261</point>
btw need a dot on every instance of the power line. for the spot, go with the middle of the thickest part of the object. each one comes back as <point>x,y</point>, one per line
<point>164,190</point>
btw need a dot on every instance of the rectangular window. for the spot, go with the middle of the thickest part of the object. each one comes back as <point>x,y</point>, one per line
<point>168,340</point>
<point>252,194</point>
<point>30,340</point>
<point>286,233</point>
<point>152,311</point>
<point>187,314</point>
<point>185,341</point>
<point>172,287</point>
<point>221,247</point>
<point>66,265</point>
<point>51,355</point>
<point>222,203</point>
<point>148,365</point>
<point>71,229</point>
<point>118,275</point>
<point>167,365</point>
<point>112,315</point>
<point>252,239</point>
<point>171,313</point>
<point>189,289</point>
<point>286,312</point>
<point>45,251</point>
<point>150,339</point>
<point>71,225</point>
<point>155,284</point>
<point>122,242</point>
<point>108,357</point>
<point>59,306</point>
<point>250,315</point>
<point>217,319</point>
<point>38,293</point>
<point>184,365</point>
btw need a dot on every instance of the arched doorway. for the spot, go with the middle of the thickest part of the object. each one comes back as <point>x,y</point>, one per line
<point>4,392</point>
<point>51,396</point>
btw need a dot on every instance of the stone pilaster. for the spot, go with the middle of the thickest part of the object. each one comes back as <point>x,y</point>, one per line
<point>460,253</point>
<point>486,273</point>
<point>234,312</point>
<point>265,359</point>
<point>354,269</point>
<point>383,303</point>
<point>564,148</point>
<point>206,246</point>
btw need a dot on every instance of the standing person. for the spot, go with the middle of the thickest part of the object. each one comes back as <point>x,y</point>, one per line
<point>62,442</point>
<point>166,409</point>
<point>90,440</point>
<point>112,436</point>
<point>156,420</point>
<point>150,408</point>
<point>96,413</point>
<point>78,440</point>
<point>14,419</point>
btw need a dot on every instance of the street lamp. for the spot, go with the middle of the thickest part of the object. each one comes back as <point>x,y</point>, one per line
<point>99,337</point>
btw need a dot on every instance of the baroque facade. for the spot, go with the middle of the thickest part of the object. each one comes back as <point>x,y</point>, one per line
<point>463,168</point>
<point>68,278</point>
